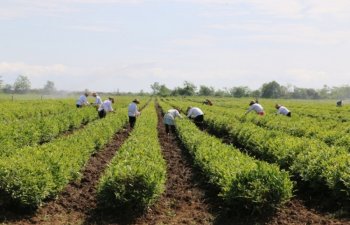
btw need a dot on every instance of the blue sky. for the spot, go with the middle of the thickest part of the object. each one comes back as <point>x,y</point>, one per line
<point>109,45</point>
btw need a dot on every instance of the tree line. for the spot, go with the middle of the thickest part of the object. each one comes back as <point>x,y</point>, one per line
<point>273,89</point>
<point>268,90</point>
<point>22,85</point>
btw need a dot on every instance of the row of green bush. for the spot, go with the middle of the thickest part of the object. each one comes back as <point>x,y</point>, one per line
<point>32,174</point>
<point>242,180</point>
<point>313,161</point>
<point>136,176</point>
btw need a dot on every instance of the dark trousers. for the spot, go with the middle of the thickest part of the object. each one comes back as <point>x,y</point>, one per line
<point>198,119</point>
<point>78,106</point>
<point>289,114</point>
<point>132,121</point>
<point>102,113</point>
<point>169,128</point>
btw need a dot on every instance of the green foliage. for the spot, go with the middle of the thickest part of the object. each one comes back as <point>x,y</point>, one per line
<point>242,181</point>
<point>32,174</point>
<point>136,176</point>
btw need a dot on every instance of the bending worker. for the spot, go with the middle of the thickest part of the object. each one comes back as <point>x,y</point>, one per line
<point>169,119</point>
<point>253,106</point>
<point>82,101</point>
<point>196,114</point>
<point>283,110</point>
<point>105,107</point>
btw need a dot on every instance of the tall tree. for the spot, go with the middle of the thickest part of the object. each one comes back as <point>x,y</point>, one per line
<point>271,90</point>
<point>189,88</point>
<point>22,84</point>
<point>164,91</point>
<point>155,87</point>
<point>206,91</point>
<point>239,92</point>
<point>49,87</point>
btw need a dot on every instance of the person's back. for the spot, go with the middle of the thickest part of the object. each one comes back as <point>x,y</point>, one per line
<point>82,100</point>
<point>194,112</point>
<point>132,109</point>
<point>257,108</point>
<point>283,110</point>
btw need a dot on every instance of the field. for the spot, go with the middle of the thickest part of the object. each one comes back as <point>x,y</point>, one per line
<point>62,165</point>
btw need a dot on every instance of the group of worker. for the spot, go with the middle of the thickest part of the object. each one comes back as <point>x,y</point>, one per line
<point>255,106</point>
<point>195,113</point>
<point>104,107</point>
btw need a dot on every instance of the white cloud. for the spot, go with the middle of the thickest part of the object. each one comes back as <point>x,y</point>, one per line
<point>32,70</point>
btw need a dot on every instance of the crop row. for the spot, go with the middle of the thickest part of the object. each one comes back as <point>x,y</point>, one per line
<point>11,111</point>
<point>136,176</point>
<point>39,130</point>
<point>242,180</point>
<point>32,174</point>
<point>312,161</point>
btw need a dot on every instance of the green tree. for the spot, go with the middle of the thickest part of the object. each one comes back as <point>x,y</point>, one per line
<point>206,91</point>
<point>239,92</point>
<point>189,89</point>
<point>164,91</point>
<point>155,87</point>
<point>271,90</point>
<point>7,88</point>
<point>22,84</point>
<point>49,87</point>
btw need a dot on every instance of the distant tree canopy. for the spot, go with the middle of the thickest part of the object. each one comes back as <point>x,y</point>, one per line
<point>206,91</point>
<point>49,87</point>
<point>268,90</point>
<point>22,84</point>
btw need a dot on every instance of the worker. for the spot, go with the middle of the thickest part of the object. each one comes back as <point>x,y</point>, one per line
<point>169,119</point>
<point>105,107</point>
<point>340,103</point>
<point>196,114</point>
<point>283,110</point>
<point>133,112</point>
<point>98,101</point>
<point>82,101</point>
<point>253,106</point>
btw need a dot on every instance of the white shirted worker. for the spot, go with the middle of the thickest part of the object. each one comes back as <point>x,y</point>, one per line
<point>283,110</point>
<point>253,106</point>
<point>82,101</point>
<point>133,112</point>
<point>196,114</point>
<point>169,119</point>
<point>98,100</point>
<point>106,107</point>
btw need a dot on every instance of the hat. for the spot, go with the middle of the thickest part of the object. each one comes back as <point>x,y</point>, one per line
<point>94,94</point>
<point>136,101</point>
<point>252,102</point>
<point>277,106</point>
<point>111,99</point>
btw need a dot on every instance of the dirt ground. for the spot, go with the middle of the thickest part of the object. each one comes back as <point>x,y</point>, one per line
<point>187,199</point>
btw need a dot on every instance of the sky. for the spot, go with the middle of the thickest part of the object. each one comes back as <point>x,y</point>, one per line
<point>127,45</point>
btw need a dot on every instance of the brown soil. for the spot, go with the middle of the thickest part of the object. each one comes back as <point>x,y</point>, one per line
<point>187,199</point>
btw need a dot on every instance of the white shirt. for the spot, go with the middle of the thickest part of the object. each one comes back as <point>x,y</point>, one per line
<point>132,110</point>
<point>106,105</point>
<point>98,100</point>
<point>82,100</point>
<point>174,113</point>
<point>256,107</point>
<point>194,112</point>
<point>283,110</point>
